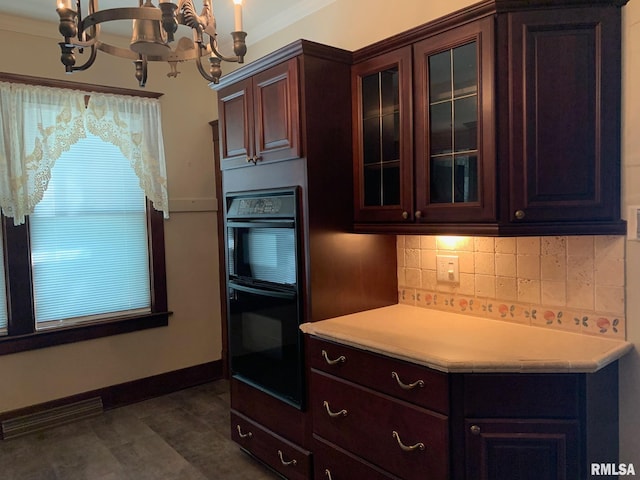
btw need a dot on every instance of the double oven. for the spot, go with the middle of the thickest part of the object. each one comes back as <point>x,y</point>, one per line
<point>264,291</point>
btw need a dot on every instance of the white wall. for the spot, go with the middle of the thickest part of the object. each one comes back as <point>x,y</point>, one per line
<point>193,335</point>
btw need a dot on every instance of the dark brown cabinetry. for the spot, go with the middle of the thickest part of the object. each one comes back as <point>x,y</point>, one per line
<point>300,96</point>
<point>260,119</point>
<point>562,121</point>
<point>513,110</point>
<point>390,416</point>
<point>379,417</point>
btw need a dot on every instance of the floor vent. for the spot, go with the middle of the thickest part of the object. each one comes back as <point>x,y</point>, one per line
<point>53,417</point>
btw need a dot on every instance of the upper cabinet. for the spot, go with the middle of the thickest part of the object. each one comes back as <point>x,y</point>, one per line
<point>383,137</point>
<point>503,118</point>
<point>260,119</point>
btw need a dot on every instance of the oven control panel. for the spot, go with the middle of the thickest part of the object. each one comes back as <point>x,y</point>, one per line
<point>280,206</point>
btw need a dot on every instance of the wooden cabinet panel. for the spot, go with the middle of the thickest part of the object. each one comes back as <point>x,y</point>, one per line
<point>401,438</point>
<point>283,456</point>
<point>564,70</point>
<point>236,124</point>
<point>522,449</point>
<point>260,118</point>
<point>277,113</point>
<point>430,390</point>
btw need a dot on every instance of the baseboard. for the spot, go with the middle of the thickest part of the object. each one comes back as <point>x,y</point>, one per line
<point>131,392</point>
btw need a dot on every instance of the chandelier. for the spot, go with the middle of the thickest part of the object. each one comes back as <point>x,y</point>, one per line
<point>153,31</point>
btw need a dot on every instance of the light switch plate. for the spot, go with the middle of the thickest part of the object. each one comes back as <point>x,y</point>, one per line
<point>633,222</point>
<point>447,269</point>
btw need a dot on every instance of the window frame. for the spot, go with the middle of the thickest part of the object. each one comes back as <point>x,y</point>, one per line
<point>21,325</point>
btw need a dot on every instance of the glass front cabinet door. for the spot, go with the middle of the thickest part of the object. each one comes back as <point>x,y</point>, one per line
<point>454,125</point>
<point>383,143</point>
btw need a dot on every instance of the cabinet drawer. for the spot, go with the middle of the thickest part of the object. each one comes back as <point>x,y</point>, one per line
<point>334,463</point>
<point>407,440</point>
<point>283,456</point>
<point>420,385</point>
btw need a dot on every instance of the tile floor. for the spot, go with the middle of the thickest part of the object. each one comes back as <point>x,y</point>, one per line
<point>180,436</point>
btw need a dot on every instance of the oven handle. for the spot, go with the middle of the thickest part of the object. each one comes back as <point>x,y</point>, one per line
<point>261,224</point>
<point>262,291</point>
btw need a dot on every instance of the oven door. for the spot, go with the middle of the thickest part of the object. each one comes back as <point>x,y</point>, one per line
<point>265,342</point>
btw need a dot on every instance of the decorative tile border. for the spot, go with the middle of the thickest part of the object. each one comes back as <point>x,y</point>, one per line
<point>559,318</point>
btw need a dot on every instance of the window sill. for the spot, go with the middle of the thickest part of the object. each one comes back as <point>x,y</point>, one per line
<point>78,333</point>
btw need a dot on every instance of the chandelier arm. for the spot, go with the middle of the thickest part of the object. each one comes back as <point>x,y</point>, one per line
<point>89,62</point>
<point>203,72</point>
<point>215,51</point>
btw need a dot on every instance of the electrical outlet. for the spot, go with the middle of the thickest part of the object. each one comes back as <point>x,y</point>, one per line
<point>633,222</point>
<point>447,269</point>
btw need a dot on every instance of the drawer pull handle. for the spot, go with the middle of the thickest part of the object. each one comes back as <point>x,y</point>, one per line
<point>327,473</point>
<point>406,448</point>
<point>341,413</point>
<point>340,359</point>
<point>243,435</point>
<point>407,386</point>
<point>293,462</point>
<point>475,429</point>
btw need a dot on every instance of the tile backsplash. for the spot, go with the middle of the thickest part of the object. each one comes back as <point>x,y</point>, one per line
<point>574,283</point>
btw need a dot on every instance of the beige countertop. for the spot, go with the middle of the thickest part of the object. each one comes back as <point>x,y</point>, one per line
<point>452,342</point>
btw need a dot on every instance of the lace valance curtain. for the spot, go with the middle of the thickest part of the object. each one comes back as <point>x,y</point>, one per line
<point>38,124</point>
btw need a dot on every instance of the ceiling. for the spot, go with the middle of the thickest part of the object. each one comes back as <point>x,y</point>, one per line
<point>260,17</point>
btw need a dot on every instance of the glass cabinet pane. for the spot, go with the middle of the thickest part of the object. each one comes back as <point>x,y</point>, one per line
<point>381,138</point>
<point>453,125</point>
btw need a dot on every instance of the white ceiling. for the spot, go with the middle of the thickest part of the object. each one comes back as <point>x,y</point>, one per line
<point>260,17</point>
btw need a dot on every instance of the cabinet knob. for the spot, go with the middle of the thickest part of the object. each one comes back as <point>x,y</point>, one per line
<point>475,429</point>
<point>520,214</point>
<point>405,215</point>
<point>418,214</point>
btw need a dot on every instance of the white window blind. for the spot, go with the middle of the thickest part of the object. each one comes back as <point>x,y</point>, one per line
<point>88,236</point>
<point>3,295</point>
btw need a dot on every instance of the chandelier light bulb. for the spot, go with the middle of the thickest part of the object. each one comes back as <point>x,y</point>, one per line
<point>237,10</point>
<point>64,4</point>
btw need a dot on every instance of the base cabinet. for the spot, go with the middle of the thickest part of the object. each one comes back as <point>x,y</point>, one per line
<point>462,426</point>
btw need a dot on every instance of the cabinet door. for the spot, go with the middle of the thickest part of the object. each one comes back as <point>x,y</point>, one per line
<point>522,449</point>
<point>564,69</point>
<point>235,109</point>
<point>383,139</point>
<point>277,113</point>
<point>455,135</point>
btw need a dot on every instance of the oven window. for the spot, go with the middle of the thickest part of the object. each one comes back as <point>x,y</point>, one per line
<point>264,254</point>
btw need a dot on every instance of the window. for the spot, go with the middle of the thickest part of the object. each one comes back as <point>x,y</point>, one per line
<point>88,238</point>
<point>88,261</point>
